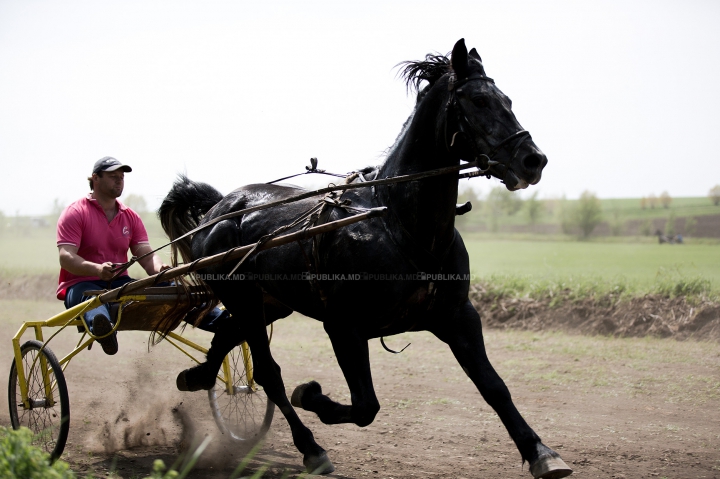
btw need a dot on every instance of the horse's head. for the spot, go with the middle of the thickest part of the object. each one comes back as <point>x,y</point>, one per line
<point>477,120</point>
<point>483,116</point>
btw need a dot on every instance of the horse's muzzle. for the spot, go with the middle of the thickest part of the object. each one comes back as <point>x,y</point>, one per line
<point>527,171</point>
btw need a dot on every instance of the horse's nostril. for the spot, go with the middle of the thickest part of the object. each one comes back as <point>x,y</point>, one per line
<point>531,162</point>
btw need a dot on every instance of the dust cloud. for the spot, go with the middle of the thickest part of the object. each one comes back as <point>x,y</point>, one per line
<point>149,417</point>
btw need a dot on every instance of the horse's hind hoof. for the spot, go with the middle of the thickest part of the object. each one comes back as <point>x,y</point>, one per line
<point>297,395</point>
<point>194,379</point>
<point>549,467</point>
<point>318,464</point>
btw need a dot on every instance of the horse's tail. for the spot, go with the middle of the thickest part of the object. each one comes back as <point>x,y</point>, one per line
<point>181,211</point>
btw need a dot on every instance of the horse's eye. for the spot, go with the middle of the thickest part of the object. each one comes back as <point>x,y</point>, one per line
<point>479,102</point>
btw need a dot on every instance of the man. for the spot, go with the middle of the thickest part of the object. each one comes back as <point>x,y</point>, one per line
<point>95,232</point>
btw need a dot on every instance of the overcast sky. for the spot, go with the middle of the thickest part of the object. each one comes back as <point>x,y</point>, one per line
<point>622,96</point>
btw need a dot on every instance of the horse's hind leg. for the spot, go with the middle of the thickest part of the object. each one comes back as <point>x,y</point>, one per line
<point>204,374</point>
<point>354,360</point>
<point>224,340</point>
<point>222,237</point>
<point>246,304</point>
<point>463,333</point>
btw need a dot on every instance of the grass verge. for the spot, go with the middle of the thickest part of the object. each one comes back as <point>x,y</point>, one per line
<point>669,283</point>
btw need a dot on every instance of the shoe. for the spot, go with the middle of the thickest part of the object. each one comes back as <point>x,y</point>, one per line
<point>101,326</point>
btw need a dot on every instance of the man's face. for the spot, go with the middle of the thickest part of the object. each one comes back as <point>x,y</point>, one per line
<point>111,183</point>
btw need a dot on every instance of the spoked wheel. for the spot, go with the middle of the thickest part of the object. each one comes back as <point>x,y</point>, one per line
<point>48,413</point>
<point>245,413</point>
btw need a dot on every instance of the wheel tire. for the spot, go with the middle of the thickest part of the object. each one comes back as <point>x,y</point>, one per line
<point>244,416</point>
<point>50,425</point>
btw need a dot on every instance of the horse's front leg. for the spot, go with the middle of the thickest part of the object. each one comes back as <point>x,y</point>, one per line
<point>463,333</point>
<point>354,359</point>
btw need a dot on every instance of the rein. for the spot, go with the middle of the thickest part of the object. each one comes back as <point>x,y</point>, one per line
<point>482,169</point>
<point>322,191</point>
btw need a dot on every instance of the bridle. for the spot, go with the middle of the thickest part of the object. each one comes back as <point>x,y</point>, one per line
<point>514,141</point>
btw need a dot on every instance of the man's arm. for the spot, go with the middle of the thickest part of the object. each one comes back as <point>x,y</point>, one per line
<point>75,264</point>
<point>152,264</point>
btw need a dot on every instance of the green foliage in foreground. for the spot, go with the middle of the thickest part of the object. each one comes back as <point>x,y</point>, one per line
<point>19,459</point>
<point>160,471</point>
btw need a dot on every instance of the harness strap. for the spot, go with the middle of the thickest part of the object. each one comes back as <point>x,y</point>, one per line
<point>382,341</point>
<point>305,218</point>
<point>318,214</point>
<point>310,169</point>
<point>119,269</point>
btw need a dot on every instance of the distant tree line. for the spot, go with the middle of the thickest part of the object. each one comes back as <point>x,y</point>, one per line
<point>653,201</point>
<point>714,195</point>
<point>581,217</point>
<point>22,223</point>
<point>664,200</point>
<point>584,215</point>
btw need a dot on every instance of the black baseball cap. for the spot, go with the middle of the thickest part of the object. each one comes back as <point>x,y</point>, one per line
<point>109,163</point>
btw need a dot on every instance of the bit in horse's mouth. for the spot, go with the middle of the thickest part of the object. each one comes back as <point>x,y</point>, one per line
<point>512,182</point>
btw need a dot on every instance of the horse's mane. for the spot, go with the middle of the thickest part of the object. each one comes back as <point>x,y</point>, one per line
<point>413,73</point>
<point>430,70</point>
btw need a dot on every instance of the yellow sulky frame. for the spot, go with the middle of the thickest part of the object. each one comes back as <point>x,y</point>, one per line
<point>140,291</point>
<point>72,317</point>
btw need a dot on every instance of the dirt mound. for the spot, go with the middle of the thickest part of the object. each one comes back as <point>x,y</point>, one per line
<point>34,287</point>
<point>649,315</point>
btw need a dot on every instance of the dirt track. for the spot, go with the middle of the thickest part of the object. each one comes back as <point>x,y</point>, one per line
<point>611,407</point>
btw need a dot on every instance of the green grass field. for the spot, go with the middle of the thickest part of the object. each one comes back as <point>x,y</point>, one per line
<point>641,263</point>
<point>637,264</point>
<point>584,268</point>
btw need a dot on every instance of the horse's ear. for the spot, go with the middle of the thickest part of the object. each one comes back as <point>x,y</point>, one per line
<point>473,53</point>
<point>459,59</point>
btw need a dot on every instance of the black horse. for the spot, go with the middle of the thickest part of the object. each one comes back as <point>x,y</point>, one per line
<point>460,114</point>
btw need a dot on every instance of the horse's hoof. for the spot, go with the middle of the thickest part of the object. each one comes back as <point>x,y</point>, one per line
<point>318,464</point>
<point>297,395</point>
<point>181,382</point>
<point>549,467</point>
<point>193,380</point>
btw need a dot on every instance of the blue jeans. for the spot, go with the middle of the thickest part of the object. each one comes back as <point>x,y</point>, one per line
<point>75,295</point>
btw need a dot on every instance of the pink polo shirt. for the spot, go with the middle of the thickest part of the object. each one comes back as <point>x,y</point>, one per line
<point>84,224</point>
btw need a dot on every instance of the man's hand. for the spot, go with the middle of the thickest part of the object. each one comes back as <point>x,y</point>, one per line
<point>105,271</point>
<point>77,265</point>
